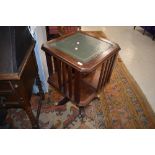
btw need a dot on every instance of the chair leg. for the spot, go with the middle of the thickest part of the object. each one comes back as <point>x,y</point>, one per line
<point>134,27</point>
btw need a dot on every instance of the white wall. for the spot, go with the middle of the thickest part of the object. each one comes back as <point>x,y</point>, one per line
<point>40,37</point>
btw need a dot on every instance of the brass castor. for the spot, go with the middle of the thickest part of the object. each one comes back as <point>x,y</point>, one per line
<point>97,97</point>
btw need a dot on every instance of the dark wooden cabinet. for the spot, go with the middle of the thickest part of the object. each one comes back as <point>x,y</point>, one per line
<point>18,70</point>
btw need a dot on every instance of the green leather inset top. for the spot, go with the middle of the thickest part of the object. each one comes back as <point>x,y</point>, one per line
<point>81,46</point>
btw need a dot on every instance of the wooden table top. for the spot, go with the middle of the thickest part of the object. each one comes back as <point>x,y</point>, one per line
<point>80,49</point>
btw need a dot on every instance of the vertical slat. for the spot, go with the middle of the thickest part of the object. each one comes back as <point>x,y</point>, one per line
<point>49,63</point>
<point>110,67</point>
<point>70,81</point>
<point>52,59</point>
<point>55,64</point>
<point>105,73</point>
<point>77,86</point>
<point>113,65</point>
<point>64,77</point>
<point>101,77</point>
<point>58,69</point>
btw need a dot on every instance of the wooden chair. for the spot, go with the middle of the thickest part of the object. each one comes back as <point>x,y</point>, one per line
<point>53,32</point>
<point>69,29</point>
<point>57,31</point>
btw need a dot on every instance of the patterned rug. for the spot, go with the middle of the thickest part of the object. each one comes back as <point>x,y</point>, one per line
<point>122,105</point>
